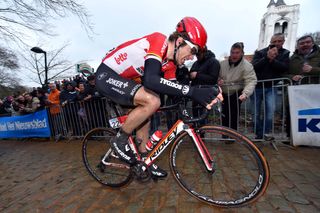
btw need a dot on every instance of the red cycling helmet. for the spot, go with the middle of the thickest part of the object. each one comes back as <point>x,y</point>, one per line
<point>196,32</point>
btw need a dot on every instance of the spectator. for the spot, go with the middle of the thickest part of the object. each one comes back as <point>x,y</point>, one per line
<point>91,87</point>
<point>54,108</point>
<point>237,80</point>
<point>7,102</point>
<point>19,103</point>
<point>33,103</point>
<point>204,72</point>
<point>77,79</point>
<point>54,99</point>
<point>269,63</point>
<point>69,94</point>
<point>3,111</point>
<point>57,85</point>
<point>42,96</point>
<point>305,60</point>
<point>82,95</point>
<point>91,90</point>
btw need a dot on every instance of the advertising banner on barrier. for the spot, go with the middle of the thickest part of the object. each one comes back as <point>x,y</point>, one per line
<point>31,125</point>
<point>304,103</point>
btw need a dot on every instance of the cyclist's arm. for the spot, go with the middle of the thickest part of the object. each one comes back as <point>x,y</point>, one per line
<point>152,80</point>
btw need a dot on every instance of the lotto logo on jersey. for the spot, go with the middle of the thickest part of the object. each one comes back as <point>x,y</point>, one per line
<point>121,58</point>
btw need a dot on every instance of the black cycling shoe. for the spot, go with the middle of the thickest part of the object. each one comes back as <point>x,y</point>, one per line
<point>157,171</point>
<point>123,150</point>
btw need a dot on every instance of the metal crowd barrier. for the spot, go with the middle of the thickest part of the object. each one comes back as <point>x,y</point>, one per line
<point>75,119</point>
<point>246,122</point>
<point>311,79</point>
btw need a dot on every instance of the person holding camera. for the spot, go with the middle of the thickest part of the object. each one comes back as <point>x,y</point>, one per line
<point>269,63</point>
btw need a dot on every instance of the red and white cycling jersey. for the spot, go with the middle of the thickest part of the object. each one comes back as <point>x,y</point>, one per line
<point>128,58</point>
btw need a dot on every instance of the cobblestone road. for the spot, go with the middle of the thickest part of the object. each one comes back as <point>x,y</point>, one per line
<point>46,177</point>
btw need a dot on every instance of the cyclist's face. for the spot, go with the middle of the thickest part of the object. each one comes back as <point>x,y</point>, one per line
<point>185,52</point>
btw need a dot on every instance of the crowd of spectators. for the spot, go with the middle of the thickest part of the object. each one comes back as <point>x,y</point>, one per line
<point>58,93</point>
<point>237,77</point>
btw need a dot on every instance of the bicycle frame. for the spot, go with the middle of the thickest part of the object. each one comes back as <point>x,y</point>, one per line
<point>175,130</point>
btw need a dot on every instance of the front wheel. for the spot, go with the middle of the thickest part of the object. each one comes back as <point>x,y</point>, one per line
<point>241,173</point>
<point>102,164</point>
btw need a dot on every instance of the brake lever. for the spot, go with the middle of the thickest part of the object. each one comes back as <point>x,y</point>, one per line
<point>218,108</point>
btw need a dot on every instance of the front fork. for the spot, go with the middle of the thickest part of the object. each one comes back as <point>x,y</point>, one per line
<point>202,149</point>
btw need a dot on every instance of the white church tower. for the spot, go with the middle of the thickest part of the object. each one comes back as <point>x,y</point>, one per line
<point>280,18</point>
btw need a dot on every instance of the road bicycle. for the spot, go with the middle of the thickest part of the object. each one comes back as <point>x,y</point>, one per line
<point>214,164</point>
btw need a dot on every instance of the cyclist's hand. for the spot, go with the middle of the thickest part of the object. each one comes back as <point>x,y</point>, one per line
<point>205,96</point>
<point>219,98</point>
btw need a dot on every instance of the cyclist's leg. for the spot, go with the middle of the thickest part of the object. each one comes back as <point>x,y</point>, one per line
<point>146,103</point>
<point>142,134</point>
<point>126,92</point>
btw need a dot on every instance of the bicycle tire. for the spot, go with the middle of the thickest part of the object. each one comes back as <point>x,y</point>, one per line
<point>241,173</point>
<point>95,145</point>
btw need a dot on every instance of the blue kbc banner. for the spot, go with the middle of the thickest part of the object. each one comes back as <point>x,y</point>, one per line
<point>305,114</point>
<point>31,125</point>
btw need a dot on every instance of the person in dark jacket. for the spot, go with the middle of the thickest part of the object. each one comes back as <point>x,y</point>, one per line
<point>67,98</point>
<point>6,106</point>
<point>41,94</point>
<point>305,61</point>
<point>269,63</point>
<point>90,88</point>
<point>204,72</point>
<point>68,94</point>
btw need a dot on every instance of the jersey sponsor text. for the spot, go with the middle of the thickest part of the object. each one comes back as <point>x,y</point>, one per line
<point>170,84</point>
<point>117,83</point>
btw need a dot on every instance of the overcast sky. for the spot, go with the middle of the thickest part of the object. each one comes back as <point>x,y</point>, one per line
<point>226,21</point>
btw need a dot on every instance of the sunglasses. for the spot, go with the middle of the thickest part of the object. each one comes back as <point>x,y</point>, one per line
<point>194,48</point>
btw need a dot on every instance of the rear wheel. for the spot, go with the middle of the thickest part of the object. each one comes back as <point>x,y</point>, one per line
<point>100,161</point>
<point>241,173</point>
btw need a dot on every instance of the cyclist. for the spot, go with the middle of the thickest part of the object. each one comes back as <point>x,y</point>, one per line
<point>144,57</point>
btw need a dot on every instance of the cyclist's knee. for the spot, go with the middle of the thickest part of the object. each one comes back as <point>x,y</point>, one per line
<point>154,102</point>
<point>146,98</point>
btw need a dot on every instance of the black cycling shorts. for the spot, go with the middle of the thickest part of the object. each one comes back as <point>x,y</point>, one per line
<point>115,87</point>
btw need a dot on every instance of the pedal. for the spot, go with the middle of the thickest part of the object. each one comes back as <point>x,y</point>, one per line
<point>141,172</point>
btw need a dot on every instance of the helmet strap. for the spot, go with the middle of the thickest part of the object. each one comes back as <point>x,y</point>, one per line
<point>176,48</point>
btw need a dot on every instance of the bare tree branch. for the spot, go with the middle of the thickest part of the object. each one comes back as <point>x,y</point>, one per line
<point>58,66</point>
<point>17,16</point>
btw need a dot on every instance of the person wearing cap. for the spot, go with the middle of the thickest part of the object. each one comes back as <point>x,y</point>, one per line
<point>144,57</point>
